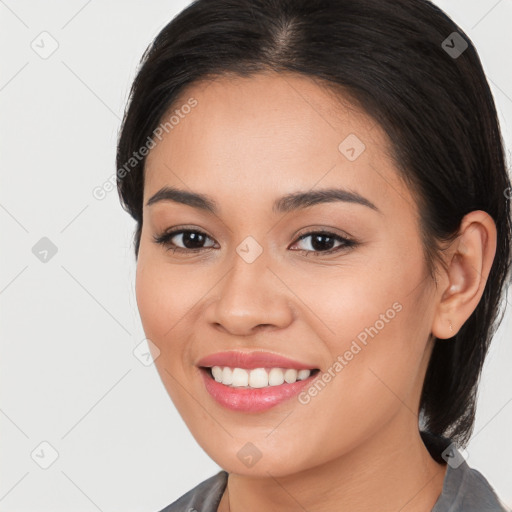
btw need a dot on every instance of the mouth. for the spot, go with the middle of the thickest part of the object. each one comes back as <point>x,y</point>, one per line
<point>255,389</point>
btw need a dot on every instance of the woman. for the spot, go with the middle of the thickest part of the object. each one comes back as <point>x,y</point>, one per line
<point>322,244</point>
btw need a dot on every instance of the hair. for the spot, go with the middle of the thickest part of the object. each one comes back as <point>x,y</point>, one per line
<point>389,59</point>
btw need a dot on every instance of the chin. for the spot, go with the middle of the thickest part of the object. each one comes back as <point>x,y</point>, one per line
<point>261,469</point>
<point>245,458</point>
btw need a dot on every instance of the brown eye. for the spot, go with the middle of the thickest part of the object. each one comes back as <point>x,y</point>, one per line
<point>322,242</point>
<point>183,240</point>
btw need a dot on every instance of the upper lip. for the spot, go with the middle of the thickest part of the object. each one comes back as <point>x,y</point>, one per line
<point>252,360</point>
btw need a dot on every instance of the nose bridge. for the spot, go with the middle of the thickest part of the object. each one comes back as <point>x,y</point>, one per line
<point>250,262</point>
<point>246,281</point>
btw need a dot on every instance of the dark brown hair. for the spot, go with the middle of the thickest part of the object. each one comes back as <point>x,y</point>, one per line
<point>400,61</point>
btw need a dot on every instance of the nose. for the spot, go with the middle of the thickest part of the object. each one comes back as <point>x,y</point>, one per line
<point>250,298</point>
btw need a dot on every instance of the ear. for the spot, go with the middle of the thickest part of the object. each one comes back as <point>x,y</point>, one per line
<point>469,264</point>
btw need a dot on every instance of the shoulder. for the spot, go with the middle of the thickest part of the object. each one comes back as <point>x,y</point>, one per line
<point>464,488</point>
<point>204,497</point>
<point>467,490</point>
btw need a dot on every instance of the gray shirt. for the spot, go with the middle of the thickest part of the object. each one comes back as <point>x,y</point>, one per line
<point>464,488</point>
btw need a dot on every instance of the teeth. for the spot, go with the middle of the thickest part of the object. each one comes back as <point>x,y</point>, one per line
<point>240,378</point>
<point>258,377</point>
<point>218,373</point>
<point>275,377</point>
<point>303,374</point>
<point>290,376</point>
<point>226,375</point>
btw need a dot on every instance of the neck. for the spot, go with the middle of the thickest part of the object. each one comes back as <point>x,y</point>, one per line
<point>392,467</point>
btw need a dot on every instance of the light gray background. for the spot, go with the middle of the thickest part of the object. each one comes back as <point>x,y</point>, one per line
<point>69,326</point>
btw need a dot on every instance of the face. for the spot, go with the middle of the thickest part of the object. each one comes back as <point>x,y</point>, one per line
<point>336,283</point>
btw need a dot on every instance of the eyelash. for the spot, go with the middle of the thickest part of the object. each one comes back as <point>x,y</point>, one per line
<point>165,240</point>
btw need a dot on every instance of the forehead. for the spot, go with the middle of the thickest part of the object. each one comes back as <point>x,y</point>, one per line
<point>271,133</point>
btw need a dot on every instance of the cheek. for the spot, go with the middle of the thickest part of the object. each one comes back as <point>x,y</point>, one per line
<point>164,296</point>
<point>371,380</point>
<point>163,302</point>
<point>370,322</point>
<point>341,303</point>
<point>150,300</point>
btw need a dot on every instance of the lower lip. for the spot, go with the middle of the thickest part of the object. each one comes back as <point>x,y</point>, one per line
<point>254,399</point>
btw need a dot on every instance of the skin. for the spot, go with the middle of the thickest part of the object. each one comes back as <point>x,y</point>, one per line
<point>355,446</point>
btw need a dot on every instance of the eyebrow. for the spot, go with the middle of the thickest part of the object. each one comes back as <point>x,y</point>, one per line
<point>285,204</point>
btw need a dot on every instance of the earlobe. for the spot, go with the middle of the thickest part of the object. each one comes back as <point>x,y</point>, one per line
<point>469,265</point>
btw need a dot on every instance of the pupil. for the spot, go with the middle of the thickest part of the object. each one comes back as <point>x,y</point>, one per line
<point>318,245</point>
<point>192,240</point>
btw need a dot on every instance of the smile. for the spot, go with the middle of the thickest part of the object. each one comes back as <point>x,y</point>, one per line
<point>254,381</point>
<point>246,398</point>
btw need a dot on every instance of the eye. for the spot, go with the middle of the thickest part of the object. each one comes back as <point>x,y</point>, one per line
<point>322,242</point>
<point>193,240</point>
<point>189,240</point>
